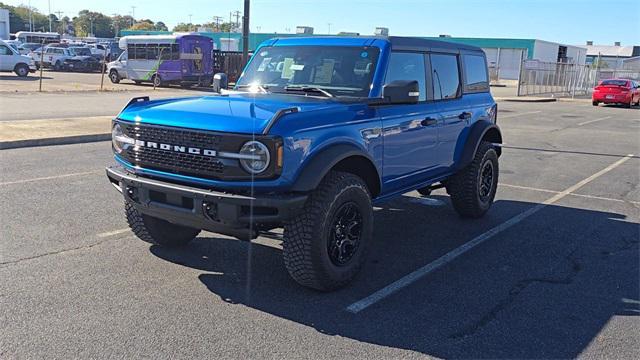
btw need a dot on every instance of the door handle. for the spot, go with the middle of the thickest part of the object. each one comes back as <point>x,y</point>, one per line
<point>465,116</point>
<point>429,121</point>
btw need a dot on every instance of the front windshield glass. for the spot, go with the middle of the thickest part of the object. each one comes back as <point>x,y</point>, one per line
<point>339,70</point>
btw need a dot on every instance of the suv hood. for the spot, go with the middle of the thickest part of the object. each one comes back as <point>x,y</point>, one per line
<point>236,112</point>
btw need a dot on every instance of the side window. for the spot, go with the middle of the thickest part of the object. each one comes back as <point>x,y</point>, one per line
<point>407,66</point>
<point>152,52</point>
<point>475,73</point>
<point>165,51</point>
<point>445,76</point>
<point>5,50</point>
<point>175,52</point>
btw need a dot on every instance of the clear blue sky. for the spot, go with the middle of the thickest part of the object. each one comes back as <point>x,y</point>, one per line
<point>567,21</point>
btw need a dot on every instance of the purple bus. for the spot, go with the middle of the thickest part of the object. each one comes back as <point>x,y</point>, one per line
<point>183,59</point>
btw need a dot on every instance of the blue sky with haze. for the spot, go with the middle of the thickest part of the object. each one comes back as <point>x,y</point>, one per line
<point>568,21</point>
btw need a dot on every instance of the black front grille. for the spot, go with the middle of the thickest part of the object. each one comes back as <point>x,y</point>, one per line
<point>184,163</point>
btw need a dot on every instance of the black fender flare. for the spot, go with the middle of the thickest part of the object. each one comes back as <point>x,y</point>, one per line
<point>480,130</point>
<point>321,163</point>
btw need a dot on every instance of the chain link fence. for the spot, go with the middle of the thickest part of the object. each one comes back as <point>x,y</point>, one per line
<point>549,78</point>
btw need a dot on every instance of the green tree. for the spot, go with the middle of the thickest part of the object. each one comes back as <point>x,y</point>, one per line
<point>182,27</point>
<point>19,18</point>
<point>102,24</point>
<point>160,26</point>
<point>143,25</point>
<point>120,22</point>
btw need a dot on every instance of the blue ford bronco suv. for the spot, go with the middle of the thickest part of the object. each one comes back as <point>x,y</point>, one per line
<point>315,132</point>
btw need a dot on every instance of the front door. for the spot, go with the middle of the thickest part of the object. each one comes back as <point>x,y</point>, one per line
<point>410,131</point>
<point>7,59</point>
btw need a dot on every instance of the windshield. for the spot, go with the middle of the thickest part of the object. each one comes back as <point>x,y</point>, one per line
<point>339,70</point>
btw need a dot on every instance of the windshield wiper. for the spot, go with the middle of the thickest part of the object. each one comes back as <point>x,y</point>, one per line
<point>307,89</point>
<point>262,88</point>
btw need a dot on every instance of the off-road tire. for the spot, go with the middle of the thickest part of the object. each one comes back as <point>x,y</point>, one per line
<point>114,77</point>
<point>156,231</point>
<point>21,70</point>
<point>307,235</point>
<point>594,103</point>
<point>464,187</point>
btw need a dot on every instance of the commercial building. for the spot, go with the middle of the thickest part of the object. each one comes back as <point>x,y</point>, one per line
<point>613,56</point>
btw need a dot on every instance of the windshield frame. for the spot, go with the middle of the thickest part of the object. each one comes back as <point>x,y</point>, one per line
<point>376,53</point>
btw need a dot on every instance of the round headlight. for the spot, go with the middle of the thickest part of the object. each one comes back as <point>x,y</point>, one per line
<point>119,140</point>
<point>254,157</point>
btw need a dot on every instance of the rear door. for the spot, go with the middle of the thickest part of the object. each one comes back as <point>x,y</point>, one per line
<point>193,56</point>
<point>447,95</point>
<point>410,130</point>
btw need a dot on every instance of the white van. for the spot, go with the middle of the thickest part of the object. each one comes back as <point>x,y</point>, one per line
<point>12,60</point>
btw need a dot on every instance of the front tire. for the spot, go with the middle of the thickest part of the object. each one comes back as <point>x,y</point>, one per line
<point>156,231</point>
<point>114,77</point>
<point>57,66</point>
<point>594,103</point>
<point>156,80</point>
<point>325,245</point>
<point>22,70</point>
<point>473,189</point>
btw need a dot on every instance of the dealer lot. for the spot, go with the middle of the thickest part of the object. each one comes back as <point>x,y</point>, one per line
<point>560,281</point>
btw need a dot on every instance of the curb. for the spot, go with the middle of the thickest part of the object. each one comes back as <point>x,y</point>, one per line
<point>65,140</point>
<point>527,100</point>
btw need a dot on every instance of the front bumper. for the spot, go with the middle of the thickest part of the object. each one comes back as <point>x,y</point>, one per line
<point>211,210</point>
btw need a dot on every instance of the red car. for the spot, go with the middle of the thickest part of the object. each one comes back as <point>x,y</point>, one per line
<point>617,91</point>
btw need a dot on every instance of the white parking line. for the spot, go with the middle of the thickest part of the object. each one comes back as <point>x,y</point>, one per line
<point>572,194</point>
<point>418,274</point>
<point>50,177</point>
<point>112,233</point>
<point>594,120</point>
<point>518,114</point>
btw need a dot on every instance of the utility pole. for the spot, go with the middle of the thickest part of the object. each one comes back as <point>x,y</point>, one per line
<point>49,15</point>
<point>30,17</point>
<point>329,25</point>
<point>133,15</point>
<point>116,24</point>
<point>217,19</point>
<point>245,32</point>
<point>190,23</point>
<point>236,14</point>
<point>59,13</point>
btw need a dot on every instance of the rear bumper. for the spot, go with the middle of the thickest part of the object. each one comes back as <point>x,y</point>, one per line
<point>611,98</point>
<point>215,211</point>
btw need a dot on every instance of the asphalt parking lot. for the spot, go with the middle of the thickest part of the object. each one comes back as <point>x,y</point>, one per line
<point>551,272</point>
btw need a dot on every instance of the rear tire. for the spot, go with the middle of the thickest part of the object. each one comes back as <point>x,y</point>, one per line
<point>114,77</point>
<point>57,66</point>
<point>156,231</point>
<point>594,103</point>
<point>138,82</point>
<point>473,189</point>
<point>156,80</point>
<point>325,245</point>
<point>21,70</point>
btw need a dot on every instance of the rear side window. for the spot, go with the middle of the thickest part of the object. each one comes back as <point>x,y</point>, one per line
<point>614,82</point>
<point>407,66</point>
<point>445,76</point>
<point>475,73</point>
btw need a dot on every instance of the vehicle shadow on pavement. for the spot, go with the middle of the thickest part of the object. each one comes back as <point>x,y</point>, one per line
<point>26,78</point>
<point>542,289</point>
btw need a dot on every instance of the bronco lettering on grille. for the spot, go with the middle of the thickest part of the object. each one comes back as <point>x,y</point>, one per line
<point>176,148</point>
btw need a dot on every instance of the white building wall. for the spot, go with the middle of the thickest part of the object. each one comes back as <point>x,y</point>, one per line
<point>506,60</point>
<point>577,54</point>
<point>4,24</point>
<point>545,51</point>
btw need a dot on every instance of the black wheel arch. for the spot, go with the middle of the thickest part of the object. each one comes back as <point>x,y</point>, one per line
<point>341,157</point>
<point>480,131</point>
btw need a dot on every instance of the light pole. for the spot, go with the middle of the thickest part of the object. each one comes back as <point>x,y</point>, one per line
<point>49,15</point>
<point>190,23</point>
<point>245,32</point>
<point>329,25</point>
<point>133,15</point>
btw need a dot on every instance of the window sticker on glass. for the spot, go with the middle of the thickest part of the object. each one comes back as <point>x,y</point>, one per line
<point>287,72</point>
<point>324,72</point>
<point>263,65</point>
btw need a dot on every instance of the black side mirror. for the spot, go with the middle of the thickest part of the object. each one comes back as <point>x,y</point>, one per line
<point>401,92</point>
<point>220,81</point>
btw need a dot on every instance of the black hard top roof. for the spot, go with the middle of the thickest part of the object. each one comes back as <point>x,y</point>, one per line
<point>415,43</point>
